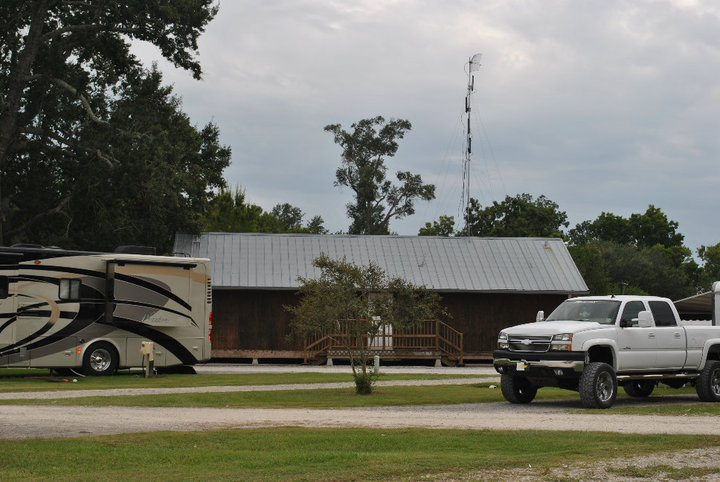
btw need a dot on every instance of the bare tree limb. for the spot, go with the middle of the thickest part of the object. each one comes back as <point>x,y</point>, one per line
<point>86,104</point>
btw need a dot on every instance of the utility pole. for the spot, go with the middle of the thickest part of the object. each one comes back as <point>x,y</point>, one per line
<point>473,65</point>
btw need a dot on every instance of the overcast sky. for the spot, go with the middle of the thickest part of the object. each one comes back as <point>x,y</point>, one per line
<point>598,105</point>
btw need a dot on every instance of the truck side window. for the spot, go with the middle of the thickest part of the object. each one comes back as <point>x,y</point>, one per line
<point>630,312</point>
<point>662,313</point>
<point>4,287</point>
<point>69,289</point>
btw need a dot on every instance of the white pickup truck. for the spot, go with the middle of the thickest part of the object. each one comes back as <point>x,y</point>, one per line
<point>592,344</point>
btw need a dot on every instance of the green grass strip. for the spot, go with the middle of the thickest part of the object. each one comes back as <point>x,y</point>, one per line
<point>12,380</point>
<point>323,454</point>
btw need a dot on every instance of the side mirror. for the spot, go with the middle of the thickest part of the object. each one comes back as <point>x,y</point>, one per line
<point>645,319</point>
<point>540,316</point>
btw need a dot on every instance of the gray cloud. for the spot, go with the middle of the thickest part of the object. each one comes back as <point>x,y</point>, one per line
<point>599,105</point>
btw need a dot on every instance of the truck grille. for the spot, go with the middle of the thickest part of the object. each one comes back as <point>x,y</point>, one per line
<point>529,343</point>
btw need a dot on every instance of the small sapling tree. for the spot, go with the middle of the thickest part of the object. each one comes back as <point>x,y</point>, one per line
<point>353,303</point>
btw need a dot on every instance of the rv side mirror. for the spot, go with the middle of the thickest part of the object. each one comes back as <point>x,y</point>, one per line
<point>540,316</point>
<point>645,319</point>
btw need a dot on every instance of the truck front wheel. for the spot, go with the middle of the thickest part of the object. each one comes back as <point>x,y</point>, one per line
<point>707,384</point>
<point>517,389</point>
<point>598,386</point>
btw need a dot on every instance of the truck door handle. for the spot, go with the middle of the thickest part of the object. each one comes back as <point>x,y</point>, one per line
<point>651,335</point>
<point>676,335</point>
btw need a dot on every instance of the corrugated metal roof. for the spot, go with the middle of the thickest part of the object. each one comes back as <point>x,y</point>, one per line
<point>468,264</point>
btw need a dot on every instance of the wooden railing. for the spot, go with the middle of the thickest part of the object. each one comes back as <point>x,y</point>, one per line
<point>427,339</point>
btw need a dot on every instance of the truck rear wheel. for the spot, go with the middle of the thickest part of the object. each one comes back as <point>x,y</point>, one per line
<point>598,386</point>
<point>639,388</point>
<point>707,384</point>
<point>100,359</point>
<point>517,389</point>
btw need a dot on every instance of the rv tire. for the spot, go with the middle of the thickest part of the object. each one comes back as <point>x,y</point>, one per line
<point>100,359</point>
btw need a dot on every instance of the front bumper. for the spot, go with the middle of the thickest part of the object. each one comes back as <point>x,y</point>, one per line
<point>544,364</point>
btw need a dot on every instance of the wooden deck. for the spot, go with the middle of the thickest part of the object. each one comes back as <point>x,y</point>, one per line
<point>432,340</point>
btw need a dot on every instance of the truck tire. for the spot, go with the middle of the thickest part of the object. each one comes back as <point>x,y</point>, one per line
<point>517,389</point>
<point>100,359</point>
<point>707,384</point>
<point>639,388</point>
<point>598,386</point>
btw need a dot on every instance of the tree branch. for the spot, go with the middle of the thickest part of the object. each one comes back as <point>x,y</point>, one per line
<point>55,210</point>
<point>88,27</point>
<point>88,108</point>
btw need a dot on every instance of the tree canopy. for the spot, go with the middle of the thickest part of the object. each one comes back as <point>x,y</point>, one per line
<point>517,216</point>
<point>229,212</point>
<point>641,230</point>
<point>640,254</point>
<point>377,199</point>
<point>444,226</point>
<point>67,80</point>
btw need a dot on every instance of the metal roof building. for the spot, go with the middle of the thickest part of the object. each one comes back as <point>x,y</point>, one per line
<point>486,284</point>
<point>275,261</point>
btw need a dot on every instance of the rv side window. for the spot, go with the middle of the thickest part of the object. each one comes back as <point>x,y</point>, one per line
<point>4,287</point>
<point>69,289</point>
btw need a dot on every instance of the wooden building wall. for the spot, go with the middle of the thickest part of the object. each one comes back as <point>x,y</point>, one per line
<point>480,317</point>
<point>253,323</point>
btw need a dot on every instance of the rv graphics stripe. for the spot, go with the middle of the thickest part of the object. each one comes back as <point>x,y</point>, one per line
<point>156,307</point>
<point>7,323</point>
<point>170,343</point>
<point>87,313</point>
<point>101,274</point>
<point>153,287</point>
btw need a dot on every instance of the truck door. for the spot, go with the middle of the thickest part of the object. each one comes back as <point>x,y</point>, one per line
<point>636,345</point>
<point>670,340</point>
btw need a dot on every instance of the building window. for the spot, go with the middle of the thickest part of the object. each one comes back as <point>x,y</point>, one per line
<point>69,289</point>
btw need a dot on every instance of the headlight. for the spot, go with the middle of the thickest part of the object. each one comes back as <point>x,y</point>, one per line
<point>561,342</point>
<point>503,341</point>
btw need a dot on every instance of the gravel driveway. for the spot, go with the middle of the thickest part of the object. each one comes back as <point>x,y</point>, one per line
<point>68,421</point>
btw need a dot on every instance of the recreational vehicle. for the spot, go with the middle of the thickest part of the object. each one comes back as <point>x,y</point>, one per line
<point>88,311</point>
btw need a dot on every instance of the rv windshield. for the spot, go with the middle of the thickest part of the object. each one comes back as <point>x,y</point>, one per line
<point>599,311</point>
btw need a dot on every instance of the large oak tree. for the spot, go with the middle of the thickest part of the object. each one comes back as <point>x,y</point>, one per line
<point>65,72</point>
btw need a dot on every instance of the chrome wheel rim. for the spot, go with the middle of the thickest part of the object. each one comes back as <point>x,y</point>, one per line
<point>100,360</point>
<point>715,382</point>
<point>604,387</point>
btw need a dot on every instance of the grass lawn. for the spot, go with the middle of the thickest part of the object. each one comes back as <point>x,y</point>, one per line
<point>20,380</point>
<point>327,454</point>
<point>319,398</point>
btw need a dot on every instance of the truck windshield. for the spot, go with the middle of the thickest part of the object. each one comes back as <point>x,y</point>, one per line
<point>599,311</point>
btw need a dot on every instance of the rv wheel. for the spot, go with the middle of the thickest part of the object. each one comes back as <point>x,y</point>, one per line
<point>100,359</point>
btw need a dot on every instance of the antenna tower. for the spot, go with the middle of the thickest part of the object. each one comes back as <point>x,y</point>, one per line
<point>473,65</point>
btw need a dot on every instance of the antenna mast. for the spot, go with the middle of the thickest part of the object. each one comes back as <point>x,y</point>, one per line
<point>473,65</point>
